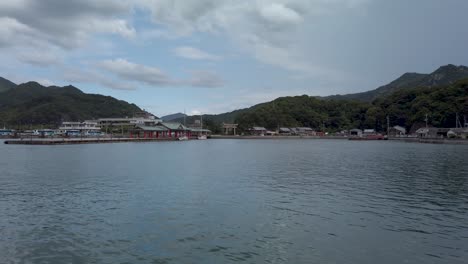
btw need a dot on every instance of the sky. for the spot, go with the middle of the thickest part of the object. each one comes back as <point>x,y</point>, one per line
<point>214,56</point>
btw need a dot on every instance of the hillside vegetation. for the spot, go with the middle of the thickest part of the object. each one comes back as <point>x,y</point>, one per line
<point>33,104</point>
<point>404,107</point>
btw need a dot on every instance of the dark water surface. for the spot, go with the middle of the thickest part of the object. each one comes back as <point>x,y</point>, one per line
<point>225,201</point>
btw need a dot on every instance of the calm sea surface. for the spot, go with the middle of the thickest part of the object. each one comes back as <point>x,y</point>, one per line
<point>226,201</point>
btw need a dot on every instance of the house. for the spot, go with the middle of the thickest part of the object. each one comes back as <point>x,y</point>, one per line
<point>258,131</point>
<point>142,131</point>
<point>355,132</point>
<point>369,132</point>
<point>175,129</point>
<point>397,131</point>
<point>284,131</point>
<point>432,132</point>
<point>458,133</point>
<point>305,131</point>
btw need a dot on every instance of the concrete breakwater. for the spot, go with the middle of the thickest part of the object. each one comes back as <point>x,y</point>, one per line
<point>69,141</point>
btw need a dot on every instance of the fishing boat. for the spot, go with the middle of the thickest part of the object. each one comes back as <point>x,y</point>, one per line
<point>201,136</point>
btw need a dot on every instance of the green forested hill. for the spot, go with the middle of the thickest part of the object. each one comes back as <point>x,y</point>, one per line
<point>404,107</point>
<point>346,111</point>
<point>444,75</point>
<point>32,103</point>
<point>6,85</point>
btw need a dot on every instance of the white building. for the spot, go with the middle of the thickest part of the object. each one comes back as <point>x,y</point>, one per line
<point>80,127</point>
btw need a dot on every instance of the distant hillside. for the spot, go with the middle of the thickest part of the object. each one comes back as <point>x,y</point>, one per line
<point>404,107</point>
<point>6,85</point>
<point>32,103</point>
<point>173,116</point>
<point>445,75</point>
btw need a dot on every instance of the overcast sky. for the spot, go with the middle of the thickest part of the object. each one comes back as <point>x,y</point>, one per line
<point>213,56</point>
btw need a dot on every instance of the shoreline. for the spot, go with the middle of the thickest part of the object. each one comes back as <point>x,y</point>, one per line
<point>72,141</point>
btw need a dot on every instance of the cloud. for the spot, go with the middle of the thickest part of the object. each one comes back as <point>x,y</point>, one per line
<point>37,58</point>
<point>153,76</point>
<point>194,53</point>
<point>67,24</point>
<point>206,79</point>
<point>136,72</point>
<point>279,13</point>
<point>272,31</point>
<point>87,76</point>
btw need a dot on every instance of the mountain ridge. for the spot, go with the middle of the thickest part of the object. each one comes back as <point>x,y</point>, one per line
<point>444,75</point>
<point>33,104</point>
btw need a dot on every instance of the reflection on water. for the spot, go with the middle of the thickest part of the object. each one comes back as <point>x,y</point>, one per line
<point>221,201</point>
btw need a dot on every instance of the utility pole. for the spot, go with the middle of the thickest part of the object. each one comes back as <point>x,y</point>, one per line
<point>458,123</point>
<point>388,126</point>
<point>426,119</point>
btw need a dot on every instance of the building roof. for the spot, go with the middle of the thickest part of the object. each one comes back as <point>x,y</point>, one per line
<point>304,128</point>
<point>258,128</point>
<point>152,128</point>
<point>284,129</point>
<point>173,126</point>
<point>200,130</point>
<point>355,130</point>
<point>400,128</point>
<point>459,130</point>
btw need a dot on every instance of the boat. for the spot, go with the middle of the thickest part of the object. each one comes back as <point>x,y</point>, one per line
<point>182,138</point>
<point>369,137</point>
<point>201,137</point>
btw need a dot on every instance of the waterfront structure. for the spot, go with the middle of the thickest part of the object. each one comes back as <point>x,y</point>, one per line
<point>142,131</point>
<point>355,132</point>
<point>126,123</point>
<point>229,129</point>
<point>175,129</point>
<point>257,131</point>
<point>79,127</point>
<point>284,131</point>
<point>458,133</point>
<point>6,132</point>
<point>397,131</point>
<point>432,132</point>
<point>304,131</point>
<point>369,132</point>
<point>199,132</point>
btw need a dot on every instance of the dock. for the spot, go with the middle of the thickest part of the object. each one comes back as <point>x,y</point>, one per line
<point>72,141</point>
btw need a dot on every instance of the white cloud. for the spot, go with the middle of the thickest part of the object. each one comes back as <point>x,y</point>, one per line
<point>87,76</point>
<point>278,13</point>
<point>207,79</point>
<point>153,76</point>
<point>67,24</point>
<point>136,72</point>
<point>269,30</point>
<point>36,58</point>
<point>194,53</point>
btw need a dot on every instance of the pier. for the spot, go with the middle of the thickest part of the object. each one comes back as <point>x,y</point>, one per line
<point>72,141</point>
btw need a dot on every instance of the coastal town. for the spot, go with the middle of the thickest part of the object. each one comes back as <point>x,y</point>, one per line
<point>145,126</point>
